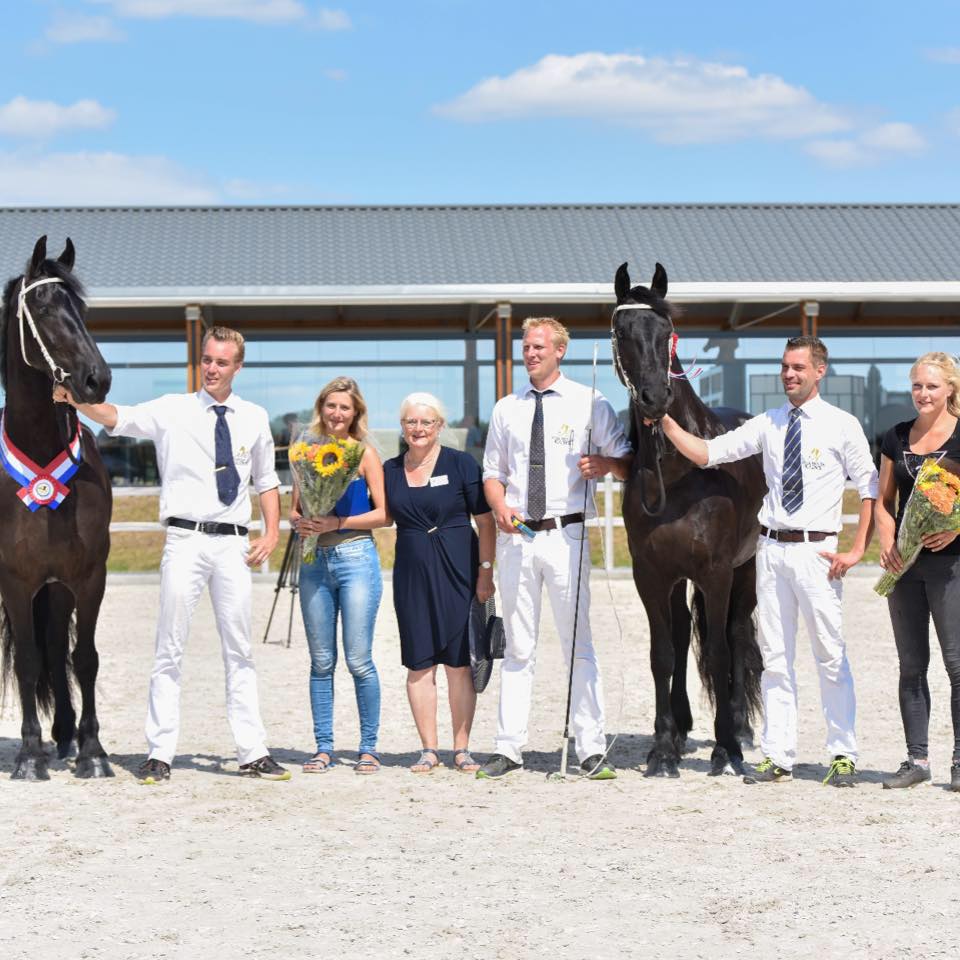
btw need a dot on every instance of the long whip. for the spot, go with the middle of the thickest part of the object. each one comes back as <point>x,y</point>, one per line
<point>562,775</point>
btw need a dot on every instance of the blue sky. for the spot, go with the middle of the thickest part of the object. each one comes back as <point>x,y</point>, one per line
<point>443,101</point>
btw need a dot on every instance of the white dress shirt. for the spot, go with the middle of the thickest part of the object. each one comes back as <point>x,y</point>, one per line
<point>566,420</point>
<point>833,447</point>
<point>181,425</point>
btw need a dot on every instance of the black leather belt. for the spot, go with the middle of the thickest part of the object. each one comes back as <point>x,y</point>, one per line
<point>795,536</point>
<point>551,523</point>
<point>209,527</point>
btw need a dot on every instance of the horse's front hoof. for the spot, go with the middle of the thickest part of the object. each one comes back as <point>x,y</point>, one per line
<point>31,768</point>
<point>93,768</point>
<point>65,748</point>
<point>662,767</point>
<point>723,765</point>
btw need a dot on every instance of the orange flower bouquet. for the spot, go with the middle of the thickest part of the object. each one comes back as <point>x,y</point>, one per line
<point>933,507</point>
<point>323,467</point>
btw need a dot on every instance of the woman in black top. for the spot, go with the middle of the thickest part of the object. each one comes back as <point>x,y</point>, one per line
<point>440,565</point>
<point>931,587</point>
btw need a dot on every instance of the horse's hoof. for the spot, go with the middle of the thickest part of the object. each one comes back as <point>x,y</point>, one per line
<point>662,767</point>
<point>93,768</point>
<point>685,747</point>
<point>723,765</point>
<point>31,768</point>
<point>65,749</point>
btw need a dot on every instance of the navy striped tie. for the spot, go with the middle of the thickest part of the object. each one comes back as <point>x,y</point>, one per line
<point>792,478</point>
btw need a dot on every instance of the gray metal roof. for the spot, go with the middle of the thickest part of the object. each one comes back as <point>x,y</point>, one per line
<point>196,248</point>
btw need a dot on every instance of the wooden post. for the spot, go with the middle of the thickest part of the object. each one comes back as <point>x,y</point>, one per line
<point>194,320</point>
<point>504,350</point>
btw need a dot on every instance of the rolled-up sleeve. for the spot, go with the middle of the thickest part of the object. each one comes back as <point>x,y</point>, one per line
<point>495,451</point>
<point>858,462</point>
<point>262,471</point>
<point>743,442</point>
<point>143,421</point>
<point>608,435</point>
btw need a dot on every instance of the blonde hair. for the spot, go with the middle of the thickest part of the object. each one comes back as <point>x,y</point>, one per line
<point>950,372</point>
<point>421,399</point>
<point>225,335</point>
<point>559,333</point>
<point>358,426</point>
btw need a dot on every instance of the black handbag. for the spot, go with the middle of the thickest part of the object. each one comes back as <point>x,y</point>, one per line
<point>487,641</point>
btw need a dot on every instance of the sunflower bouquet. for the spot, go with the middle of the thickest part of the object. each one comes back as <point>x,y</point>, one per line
<point>324,467</point>
<point>933,507</point>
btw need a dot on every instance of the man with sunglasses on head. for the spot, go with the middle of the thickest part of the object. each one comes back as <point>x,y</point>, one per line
<point>535,469</point>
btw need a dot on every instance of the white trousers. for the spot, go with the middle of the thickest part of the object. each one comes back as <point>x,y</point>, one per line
<point>525,567</point>
<point>792,580</point>
<point>192,561</point>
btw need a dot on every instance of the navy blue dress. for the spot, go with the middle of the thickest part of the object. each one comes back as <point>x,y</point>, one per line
<point>435,569</point>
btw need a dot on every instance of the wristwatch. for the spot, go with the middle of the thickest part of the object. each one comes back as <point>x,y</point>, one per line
<point>486,564</point>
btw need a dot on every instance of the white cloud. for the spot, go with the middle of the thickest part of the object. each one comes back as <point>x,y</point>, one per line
<point>76,28</point>
<point>112,179</point>
<point>326,19</point>
<point>869,147</point>
<point>944,55</point>
<point>40,119</point>
<point>683,100</point>
<point>257,10</point>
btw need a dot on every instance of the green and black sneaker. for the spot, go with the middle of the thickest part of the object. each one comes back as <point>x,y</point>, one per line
<point>766,771</point>
<point>842,773</point>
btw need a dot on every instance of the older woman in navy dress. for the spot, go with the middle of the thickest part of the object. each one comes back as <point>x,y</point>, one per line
<point>441,564</point>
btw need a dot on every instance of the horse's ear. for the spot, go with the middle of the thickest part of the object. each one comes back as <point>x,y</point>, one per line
<point>68,256</point>
<point>39,255</point>
<point>621,283</point>
<point>659,282</point>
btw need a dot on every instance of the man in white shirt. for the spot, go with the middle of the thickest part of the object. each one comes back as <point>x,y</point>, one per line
<point>535,468</point>
<point>809,449</point>
<point>210,445</point>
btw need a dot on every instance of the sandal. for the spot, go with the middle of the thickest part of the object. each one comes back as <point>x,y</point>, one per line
<point>317,763</point>
<point>428,762</point>
<point>464,762</point>
<point>367,763</point>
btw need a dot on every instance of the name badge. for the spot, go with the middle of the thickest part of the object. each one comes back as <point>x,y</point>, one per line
<point>439,481</point>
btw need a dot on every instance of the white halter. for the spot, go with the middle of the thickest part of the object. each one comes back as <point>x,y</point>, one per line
<point>617,364</point>
<point>23,311</point>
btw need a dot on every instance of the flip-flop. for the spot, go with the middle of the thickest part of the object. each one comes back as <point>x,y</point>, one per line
<point>429,760</point>
<point>464,762</point>
<point>368,763</point>
<point>316,764</point>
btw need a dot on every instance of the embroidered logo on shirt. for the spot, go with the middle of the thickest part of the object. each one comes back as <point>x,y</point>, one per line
<point>814,460</point>
<point>564,437</point>
<point>241,456</point>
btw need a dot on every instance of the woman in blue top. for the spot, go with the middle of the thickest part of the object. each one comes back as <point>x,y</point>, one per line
<point>343,581</point>
<point>440,566</point>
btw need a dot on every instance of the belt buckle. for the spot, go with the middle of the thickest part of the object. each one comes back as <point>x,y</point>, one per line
<point>207,526</point>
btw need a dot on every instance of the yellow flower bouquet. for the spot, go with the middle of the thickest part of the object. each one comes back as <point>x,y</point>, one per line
<point>323,467</point>
<point>933,507</point>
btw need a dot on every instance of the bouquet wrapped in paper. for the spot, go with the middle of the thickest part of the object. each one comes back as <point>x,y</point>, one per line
<point>933,507</point>
<point>324,467</point>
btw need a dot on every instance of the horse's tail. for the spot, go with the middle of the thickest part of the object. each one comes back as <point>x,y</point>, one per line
<point>6,652</point>
<point>743,649</point>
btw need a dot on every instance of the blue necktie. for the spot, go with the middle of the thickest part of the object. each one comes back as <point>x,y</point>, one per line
<point>537,479</point>
<point>228,480</point>
<point>792,479</point>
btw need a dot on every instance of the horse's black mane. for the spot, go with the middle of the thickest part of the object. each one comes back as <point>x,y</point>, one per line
<point>50,268</point>
<point>653,300</point>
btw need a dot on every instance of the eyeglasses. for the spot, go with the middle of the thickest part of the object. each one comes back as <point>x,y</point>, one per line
<point>411,424</point>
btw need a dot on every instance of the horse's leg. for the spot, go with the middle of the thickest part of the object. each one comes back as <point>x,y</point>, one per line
<point>91,757</point>
<point>53,606</point>
<point>746,661</point>
<point>727,756</point>
<point>663,760</point>
<point>31,762</point>
<point>680,628</point>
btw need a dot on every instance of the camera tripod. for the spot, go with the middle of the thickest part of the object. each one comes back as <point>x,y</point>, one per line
<point>289,576</point>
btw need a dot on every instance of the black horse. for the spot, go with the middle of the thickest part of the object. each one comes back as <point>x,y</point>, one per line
<point>687,524</point>
<point>53,562</point>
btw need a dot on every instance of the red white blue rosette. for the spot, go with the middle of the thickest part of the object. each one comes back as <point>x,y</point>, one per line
<point>40,486</point>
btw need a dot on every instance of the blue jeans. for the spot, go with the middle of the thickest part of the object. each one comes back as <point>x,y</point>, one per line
<point>343,580</point>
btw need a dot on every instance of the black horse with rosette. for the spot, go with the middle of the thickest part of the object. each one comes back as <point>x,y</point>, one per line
<point>55,505</point>
<point>687,524</point>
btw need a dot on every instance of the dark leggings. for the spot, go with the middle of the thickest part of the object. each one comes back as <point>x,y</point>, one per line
<point>931,587</point>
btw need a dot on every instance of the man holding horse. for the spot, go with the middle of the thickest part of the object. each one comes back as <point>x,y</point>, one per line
<point>210,446</point>
<point>809,448</point>
<point>536,466</point>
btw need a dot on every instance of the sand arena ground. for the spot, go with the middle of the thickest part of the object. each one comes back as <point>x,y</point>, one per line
<point>440,866</point>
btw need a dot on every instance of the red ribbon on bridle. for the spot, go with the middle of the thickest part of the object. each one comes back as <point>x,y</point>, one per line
<point>689,373</point>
